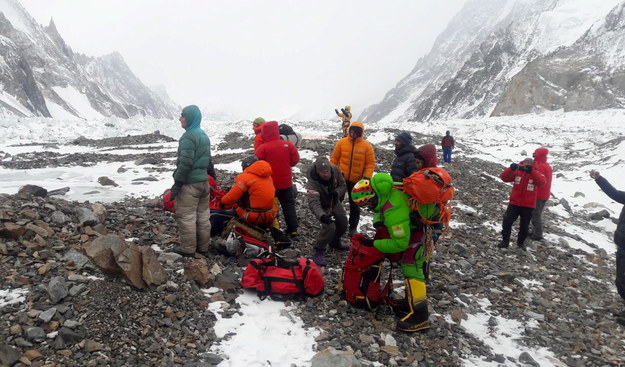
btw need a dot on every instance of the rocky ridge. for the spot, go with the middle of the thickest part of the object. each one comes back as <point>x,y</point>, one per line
<point>73,315</point>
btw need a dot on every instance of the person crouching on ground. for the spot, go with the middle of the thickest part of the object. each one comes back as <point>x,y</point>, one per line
<point>252,194</point>
<point>325,191</point>
<point>392,217</point>
<point>525,183</point>
<point>191,190</point>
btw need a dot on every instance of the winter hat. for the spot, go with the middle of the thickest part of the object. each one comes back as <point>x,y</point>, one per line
<point>248,161</point>
<point>540,154</point>
<point>322,164</point>
<point>357,130</point>
<point>347,108</point>
<point>259,121</point>
<point>527,161</point>
<point>404,138</point>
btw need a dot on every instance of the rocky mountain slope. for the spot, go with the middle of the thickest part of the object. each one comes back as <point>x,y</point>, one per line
<point>471,68</point>
<point>559,297</point>
<point>40,75</point>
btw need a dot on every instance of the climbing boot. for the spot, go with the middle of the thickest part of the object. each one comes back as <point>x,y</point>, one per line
<point>416,316</point>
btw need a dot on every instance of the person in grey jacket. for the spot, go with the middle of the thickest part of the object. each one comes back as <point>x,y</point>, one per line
<point>619,235</point>
<point>325,191</point>
<point>405,163</point>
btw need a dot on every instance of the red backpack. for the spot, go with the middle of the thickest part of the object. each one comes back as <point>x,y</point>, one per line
<point>168,204</point>
<point>362,274</point>
<point>282,279</point>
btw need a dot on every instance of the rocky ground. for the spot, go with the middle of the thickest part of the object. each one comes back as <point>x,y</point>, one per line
<point>73,315</point>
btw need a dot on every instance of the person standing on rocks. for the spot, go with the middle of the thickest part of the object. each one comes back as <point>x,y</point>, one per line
<point>448,145</point>
<point>281,156</point>
<point>325,191</point>
<point>257,125</point>
<point>525,183</point>
<point>191,190</point>
<point>405,162</point>
<point>356,159</point>
<point>346,118</point>
<point>252,195</point>
<point>544,192</point>
<point>619,235</point>
<point>395,234</point>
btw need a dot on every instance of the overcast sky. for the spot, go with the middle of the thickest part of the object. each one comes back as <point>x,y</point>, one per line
<point>270,58</point>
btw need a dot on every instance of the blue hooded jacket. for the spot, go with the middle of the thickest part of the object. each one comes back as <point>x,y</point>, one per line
<point>194,153</point>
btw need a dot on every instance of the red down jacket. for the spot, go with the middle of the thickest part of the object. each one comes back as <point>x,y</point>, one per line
<point>525,185</point>
<point>280,154</point>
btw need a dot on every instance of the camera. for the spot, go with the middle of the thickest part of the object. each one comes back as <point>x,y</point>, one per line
<point>525,168</point>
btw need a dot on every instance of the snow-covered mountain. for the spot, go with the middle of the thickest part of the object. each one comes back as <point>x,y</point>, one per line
<point>40,75</point>
<point>473,63</point>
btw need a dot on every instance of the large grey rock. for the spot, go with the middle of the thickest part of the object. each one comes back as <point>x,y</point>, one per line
<point>59,218</point>
<point>69,336</point>
<point>8,355</point>
<point>61,191</point>
<point>57,289</point>
<point>34,333</point>
<point>47,315</point>
<point>331,357</point>
<point>86,217</point>
<point>76,257</point>
<point>105,181</point>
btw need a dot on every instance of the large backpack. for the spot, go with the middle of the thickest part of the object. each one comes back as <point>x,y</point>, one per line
<point>282,279</point>
<point>287,133</point>
<point>430,191</point>
<point>361,277</point>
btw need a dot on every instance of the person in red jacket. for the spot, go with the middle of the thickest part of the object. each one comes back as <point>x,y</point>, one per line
<point>281,156</point>
<point>447,142</point>
<point>426,156</point>
<point>257,125</point>
<point>526,181</point>
<point>540,163</point>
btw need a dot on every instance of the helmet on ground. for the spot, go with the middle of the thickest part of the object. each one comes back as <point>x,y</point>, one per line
<point>362,193</point>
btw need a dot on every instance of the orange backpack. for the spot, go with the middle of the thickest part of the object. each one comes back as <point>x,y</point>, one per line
<point>430,186</point>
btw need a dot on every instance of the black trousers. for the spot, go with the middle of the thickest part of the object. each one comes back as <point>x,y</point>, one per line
<point>287,202</point>
<point>512,213</point>
<point>354,210</point>
<point>620,271</point>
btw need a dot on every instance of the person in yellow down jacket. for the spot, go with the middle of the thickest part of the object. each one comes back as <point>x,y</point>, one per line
<point>346,116</point>
<point>356,159</point>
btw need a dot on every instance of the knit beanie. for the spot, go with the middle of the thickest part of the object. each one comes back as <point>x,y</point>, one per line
<point>404,138</point>
<point>248,161</point>
<point>259,121</point>
<point>322,164</point>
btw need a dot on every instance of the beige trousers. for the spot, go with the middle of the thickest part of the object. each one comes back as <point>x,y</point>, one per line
<point>193,217</point>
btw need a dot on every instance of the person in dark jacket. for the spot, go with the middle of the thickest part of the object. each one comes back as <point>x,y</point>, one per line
<point>325,190</point>
<point>619,234</point>
<point>281,156</point>
<point>543,194</point>
<point>405,162</point>
<point>525,182</point>
<point>191,190</point>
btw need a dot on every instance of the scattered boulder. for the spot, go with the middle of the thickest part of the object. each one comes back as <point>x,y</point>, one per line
<point>61,191</point>
<point>331,357</point>
<point>86,217</point>
<point>26,192</point>
<point>146,160</point>
<point>57,289</point>
<point>600,215</point>
<point>105,181</point>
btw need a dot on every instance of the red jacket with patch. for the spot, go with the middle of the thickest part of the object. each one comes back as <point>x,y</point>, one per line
<point>280,154</point>
<point>525,186</point>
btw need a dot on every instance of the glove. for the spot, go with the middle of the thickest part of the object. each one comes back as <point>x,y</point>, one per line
<point>336,111</point>
<point>527,169</point>
<point>327,219</point>
<point>368,242</point>
<point>175,190</point>
<point>514,166</point>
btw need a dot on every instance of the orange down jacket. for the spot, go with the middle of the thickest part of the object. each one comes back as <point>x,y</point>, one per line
<point>355,157</point>
<point>253,193</point>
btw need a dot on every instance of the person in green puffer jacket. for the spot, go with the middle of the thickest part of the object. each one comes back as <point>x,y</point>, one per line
<point>395,233</point>
<point>191,190</point>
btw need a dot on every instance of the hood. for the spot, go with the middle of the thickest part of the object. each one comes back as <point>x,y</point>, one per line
<point>360,125</point>
<point>259,168</point>
<point>382,184</point>
<point>428,152</point>
<point>540,155</point>
<point>193,116</point>
<point>270,131</point>
<point>348,108</point>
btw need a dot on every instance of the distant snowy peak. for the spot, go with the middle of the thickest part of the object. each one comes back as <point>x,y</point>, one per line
<point>40,75</point>
<point>486,44</point>
<point>588,75</point>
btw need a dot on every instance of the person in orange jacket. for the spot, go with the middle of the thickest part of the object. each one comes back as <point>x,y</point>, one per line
<point>257,125</point>
<point>356,159</point>
<point>252,194</point>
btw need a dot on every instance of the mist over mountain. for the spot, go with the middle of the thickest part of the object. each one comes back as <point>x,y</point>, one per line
<point>40,75</point>
<point>514,56</point>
